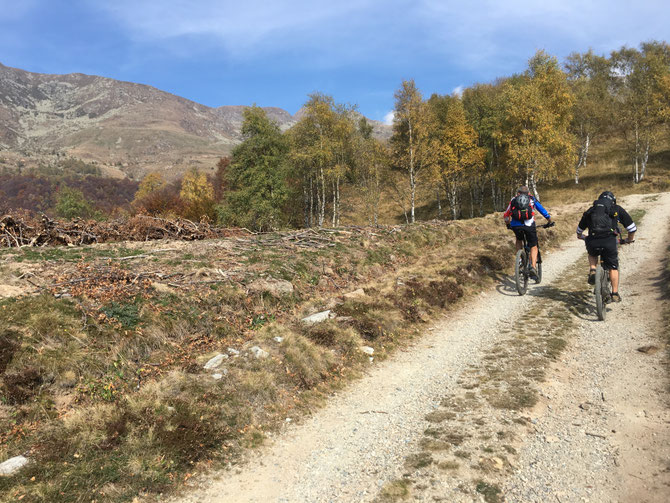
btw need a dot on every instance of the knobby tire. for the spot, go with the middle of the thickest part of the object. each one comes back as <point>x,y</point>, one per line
<point>601,285</point>
<point>520,276</point>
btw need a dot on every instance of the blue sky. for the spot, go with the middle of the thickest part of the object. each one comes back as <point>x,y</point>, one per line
<point>275,53</point>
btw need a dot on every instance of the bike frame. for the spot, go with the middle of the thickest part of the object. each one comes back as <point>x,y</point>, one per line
<point>522,264</point>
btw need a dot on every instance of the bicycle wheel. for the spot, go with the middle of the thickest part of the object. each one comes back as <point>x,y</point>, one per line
<point>520,273</point>
<point>599,290</point>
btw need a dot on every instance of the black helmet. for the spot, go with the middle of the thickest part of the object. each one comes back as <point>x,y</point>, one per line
<point>607,195</point>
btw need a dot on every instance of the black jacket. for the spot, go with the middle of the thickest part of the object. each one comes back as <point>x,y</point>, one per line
<point>621,216</point>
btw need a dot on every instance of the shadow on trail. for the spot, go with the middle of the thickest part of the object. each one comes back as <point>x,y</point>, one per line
<point>506,285</point>
<point>580,303</point>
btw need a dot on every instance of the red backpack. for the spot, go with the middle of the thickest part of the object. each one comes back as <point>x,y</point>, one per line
<point>521,208</point>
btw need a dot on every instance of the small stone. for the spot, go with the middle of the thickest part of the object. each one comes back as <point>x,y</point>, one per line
<point>233,352</point>
<point>258,352</point>
<point>368,350</point>
<point>278,339</point>
<point>551,439</point>
<point>649,350</point>
<point>217,376</point>
<point>215,361</point>
<point>13,465</point>
<point>318,317</point>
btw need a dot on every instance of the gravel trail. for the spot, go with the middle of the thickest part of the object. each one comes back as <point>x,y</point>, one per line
<point>348,450</point>
<point>606,407</point>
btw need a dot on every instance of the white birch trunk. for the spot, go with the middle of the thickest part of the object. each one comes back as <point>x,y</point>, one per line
<point>334,216</point>
<point>412,184</point>
<point>439,203</point>
<point>533,185</point>
<point>321,195</point>
<point>645,159</point>
<point>412,181</point>
<point>636,174</point>
<point>472,203</point>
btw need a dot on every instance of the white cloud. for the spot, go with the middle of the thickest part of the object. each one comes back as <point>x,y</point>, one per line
<point>238,26</point>
<point>486,38</point>
<point>388,118</point>
<point>457,91</point>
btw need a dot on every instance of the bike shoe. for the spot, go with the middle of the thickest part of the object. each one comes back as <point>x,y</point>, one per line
<point>532,272</point>
<point>616,297</point>
<point>592,277</point>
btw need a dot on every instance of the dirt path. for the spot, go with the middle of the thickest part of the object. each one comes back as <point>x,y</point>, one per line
<point>606,406</point>
<point>360,441</point>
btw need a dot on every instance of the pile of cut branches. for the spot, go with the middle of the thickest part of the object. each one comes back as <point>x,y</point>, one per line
<point>26,230</point>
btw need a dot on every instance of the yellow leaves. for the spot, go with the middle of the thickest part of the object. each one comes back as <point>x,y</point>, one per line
<point>149,184</point>
<point>198,195</point>
<point>195,188</point>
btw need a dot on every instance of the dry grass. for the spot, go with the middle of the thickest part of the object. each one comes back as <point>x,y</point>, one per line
<point>127,393</point>
<point>396,490</point>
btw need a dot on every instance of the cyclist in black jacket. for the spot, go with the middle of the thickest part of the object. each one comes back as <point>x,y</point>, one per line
<point>602,221</point>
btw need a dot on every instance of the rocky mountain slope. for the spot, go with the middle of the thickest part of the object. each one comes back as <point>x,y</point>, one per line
<point>126,128</point>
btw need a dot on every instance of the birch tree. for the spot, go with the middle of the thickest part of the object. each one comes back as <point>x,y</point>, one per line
<point>484,109</point>
<point>409,137</point>
<point>638,78</point>
<point>536,122</point>
<point>458,159</point>
<point>593,111</point>
<point>372,169</point>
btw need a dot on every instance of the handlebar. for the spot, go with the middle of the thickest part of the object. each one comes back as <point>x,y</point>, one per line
<point>620,240</point>
<point>550,224</point>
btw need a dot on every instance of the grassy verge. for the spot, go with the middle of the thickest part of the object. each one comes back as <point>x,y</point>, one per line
<point>104,389</point>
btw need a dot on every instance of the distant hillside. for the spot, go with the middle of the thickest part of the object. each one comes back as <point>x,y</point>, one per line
<point>126,127</point>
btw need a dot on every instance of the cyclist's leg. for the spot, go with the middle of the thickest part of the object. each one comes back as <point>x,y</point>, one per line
<point>518,232</point>
<point>531,236</point>
<point>593,252</point>
<point>593,262</point>
<point>611,262</point>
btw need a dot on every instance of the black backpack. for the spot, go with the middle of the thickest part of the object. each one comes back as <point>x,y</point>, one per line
<point>520,208</point>
<point>602,218</point>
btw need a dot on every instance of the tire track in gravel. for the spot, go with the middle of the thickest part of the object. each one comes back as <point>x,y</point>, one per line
<point>359,442</point>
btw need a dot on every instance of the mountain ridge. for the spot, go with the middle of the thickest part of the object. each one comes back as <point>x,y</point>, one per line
<point>126,127</point>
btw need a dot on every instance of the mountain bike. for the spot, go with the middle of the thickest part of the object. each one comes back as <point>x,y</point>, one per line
<point>522,264</point>
<point>603,287</point>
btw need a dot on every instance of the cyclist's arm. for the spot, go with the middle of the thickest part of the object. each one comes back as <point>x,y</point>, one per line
<point>507,216</point>
<point>583,224</point>
<point>542,211</point>
<point>627,221</point>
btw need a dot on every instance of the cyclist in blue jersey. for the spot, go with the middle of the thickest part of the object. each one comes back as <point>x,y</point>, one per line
<point>520,217</point>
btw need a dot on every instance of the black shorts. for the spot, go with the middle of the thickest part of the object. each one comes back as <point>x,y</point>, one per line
<point>606,248</point>
<point>529,232</point>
